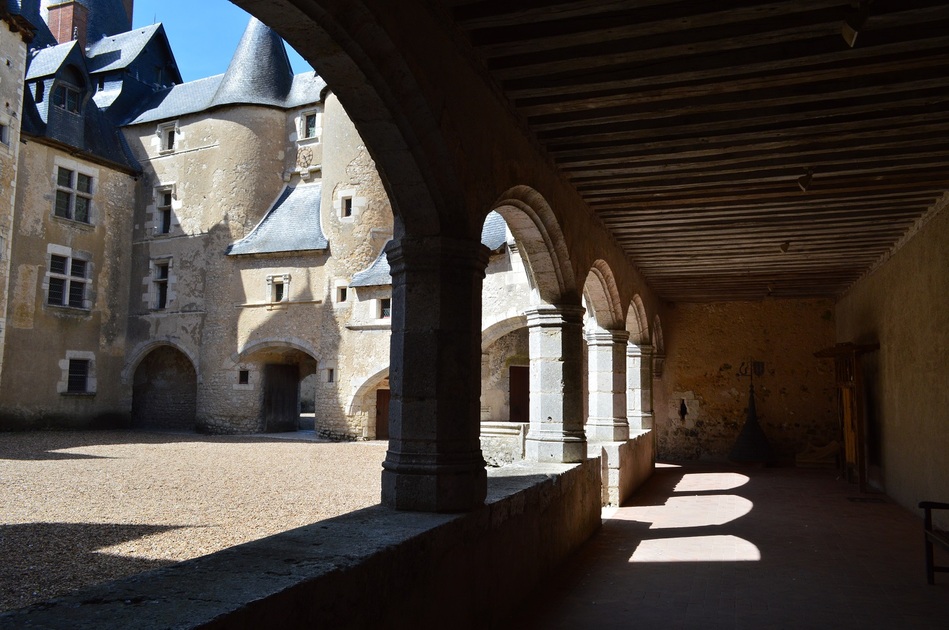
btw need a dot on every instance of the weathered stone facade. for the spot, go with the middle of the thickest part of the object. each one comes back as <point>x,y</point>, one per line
<point>12,70</point>
<point>92,328</point>
<point>708,367</point>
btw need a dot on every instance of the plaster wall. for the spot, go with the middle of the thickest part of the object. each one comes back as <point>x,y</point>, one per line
<point>12,68</point>
<point>709,349</point>
<point>43,337</point>
<point>904,305</point>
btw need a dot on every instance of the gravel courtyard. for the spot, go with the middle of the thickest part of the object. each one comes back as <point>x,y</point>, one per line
<point>77,508</point>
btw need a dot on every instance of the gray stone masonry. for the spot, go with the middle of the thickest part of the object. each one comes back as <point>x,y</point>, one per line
<point>434,461</point>
<point>556,382</point>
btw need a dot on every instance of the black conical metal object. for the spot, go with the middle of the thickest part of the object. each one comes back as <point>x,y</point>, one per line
<point>752,446</point>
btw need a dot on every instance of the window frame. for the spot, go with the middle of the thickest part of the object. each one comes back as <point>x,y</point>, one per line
<point>77,368</point>
<point>76,192</point>
<point>67,281</point>
<point>161,275</point>
<point>278,289</point>
<point>168,137</point>
<point>306,134</point>
<point>67,90</point>
<point>384,310</point>
<point>163,211</point>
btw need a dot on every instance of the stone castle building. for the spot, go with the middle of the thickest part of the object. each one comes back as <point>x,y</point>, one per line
<point>698,195</point>
<point>188,255</point>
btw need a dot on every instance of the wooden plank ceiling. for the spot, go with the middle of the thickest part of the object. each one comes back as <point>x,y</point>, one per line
<point>687,127</point>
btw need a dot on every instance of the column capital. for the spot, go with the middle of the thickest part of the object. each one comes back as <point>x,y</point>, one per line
<point>603,337</point>
<point>421,251</point>
<point>549,315</point>
<point>639,350</point>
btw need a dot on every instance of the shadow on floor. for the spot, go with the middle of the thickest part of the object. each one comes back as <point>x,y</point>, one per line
<point>722,547</point>
<point>45,560</point>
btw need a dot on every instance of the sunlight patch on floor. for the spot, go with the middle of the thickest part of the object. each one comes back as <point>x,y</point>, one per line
<point>698,511</point>
<point>696,549</point>
<point>710,482</point>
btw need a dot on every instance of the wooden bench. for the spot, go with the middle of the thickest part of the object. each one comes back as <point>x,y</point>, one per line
<point>933,536</point>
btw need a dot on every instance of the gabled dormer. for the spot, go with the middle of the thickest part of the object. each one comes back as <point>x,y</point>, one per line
<point>129,67</point>
<point>58,105</point>
<point>57,80</point>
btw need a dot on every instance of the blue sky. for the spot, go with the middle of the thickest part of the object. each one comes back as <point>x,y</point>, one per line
<point>203,33</point>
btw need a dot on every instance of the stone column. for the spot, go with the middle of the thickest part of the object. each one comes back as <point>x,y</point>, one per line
<point>485,373</point>
<point>556,383</point>
<point>606,354</point>
<point>434,461</point>
<point>639,385</point>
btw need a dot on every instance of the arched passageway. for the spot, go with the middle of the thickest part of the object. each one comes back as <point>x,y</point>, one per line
<point>280,370</point>
<point>164,391</point>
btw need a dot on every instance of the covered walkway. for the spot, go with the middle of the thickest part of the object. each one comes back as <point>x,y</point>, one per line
<point>716,547</point>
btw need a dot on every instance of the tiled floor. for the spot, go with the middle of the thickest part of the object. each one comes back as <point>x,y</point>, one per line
<point>706,547</point>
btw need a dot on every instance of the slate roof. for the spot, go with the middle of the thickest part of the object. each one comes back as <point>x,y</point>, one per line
<point>45,62</point>
<point>259,74</point>
<point>493,236</point>
<point>494,231</point>
<point>259,71</point>
<point>292,225</point>
<point>118,51</point>
<point>378,274</point>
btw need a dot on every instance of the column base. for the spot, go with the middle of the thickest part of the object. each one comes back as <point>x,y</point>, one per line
<point>607,430</point>
<point>434,490</point>
<point>568,450</point>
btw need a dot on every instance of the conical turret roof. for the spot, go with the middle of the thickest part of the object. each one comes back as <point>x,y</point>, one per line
<point>259,72</point>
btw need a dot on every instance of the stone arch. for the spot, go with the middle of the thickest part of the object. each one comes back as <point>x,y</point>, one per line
<point>273,343</point>
<point>142,350</point>
<point>164,390</point>
<point>637,322</point>
<point>498,329</point>
<point>541,242</point>
<point>282,364</point>
<point>658,348</point>
<point>602,296</point>
<point>366,401</point>
<point>658,343</point>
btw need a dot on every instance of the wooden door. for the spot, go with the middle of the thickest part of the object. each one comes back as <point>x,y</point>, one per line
<point>520,392</point>
<point>281,404</point>
<point>382,414</point>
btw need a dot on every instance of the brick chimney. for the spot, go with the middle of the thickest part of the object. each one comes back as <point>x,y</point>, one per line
<point>128,4</point>
<point>68,21</point>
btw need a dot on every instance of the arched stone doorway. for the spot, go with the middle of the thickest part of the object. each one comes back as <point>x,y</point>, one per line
<point>164,391</point>
<point>282,370</point>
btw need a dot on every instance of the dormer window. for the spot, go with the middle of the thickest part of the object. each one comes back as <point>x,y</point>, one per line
<point>65,97</point>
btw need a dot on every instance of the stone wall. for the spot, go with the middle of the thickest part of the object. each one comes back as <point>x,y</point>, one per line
<point>13,54</point>
<point>47,337</point>
<point>904,306</point>
<point>709,349</point>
